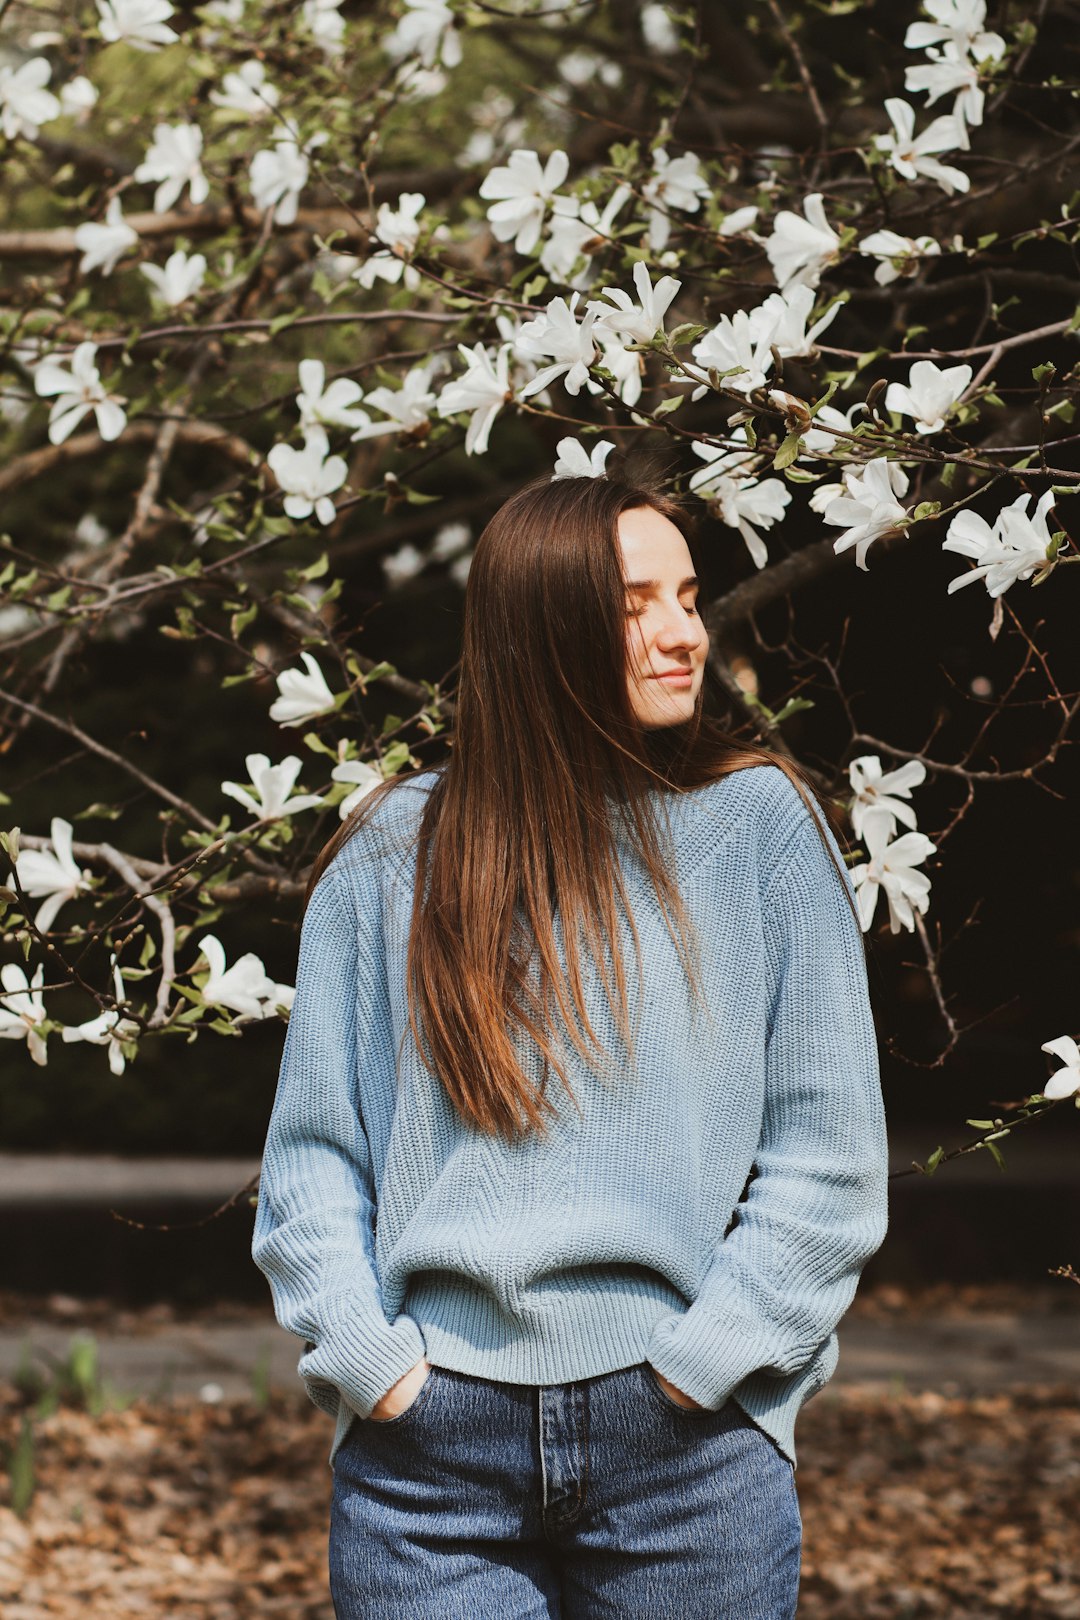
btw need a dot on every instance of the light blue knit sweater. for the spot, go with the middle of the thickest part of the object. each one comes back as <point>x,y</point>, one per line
<point>388,1230</point>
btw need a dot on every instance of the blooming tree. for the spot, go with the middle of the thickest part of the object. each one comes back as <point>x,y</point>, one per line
<point>301,275</point>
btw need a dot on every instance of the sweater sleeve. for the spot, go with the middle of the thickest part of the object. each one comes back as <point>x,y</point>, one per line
<point>778,1284</point>
<point>314,1223</point>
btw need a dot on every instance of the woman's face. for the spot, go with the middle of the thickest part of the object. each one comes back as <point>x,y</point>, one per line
<point>665,639</point>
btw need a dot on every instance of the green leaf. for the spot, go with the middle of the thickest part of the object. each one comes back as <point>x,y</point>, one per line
<point>926,509</point>
<point>668,406</point>
<point>933,1161</point>
<point>792,706</point>
<point>788,451</point>
<point>688,332</point>
<point>1047,369</point>
<point>317,746</point>
<point>280,322</point>
<point>317,568</point>
<point>995,1153</point>
<point>240,621</point>
<point>396,758</point>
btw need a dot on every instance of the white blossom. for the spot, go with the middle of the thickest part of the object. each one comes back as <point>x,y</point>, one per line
<point>449,540</point>
<point>179,280</point>
<point>883,793</point>
<point>870,507</point>
<point>278,177</point>
<point>22,1008</point>
<point>483,389</point>
<point>574,461</point>
<point>425,30</point>
<point>913,156</point>
<point>625,365</point>
<point>229,12</point>
<point>640,322</point>
<point>569,343</point>
<point>735,341</point>
<point>78,391</point>
<point>819,441</point>
<point>577,230</point>
<point>899,255</point>
<point>399,230</point>
<point>102,245</point>
<point>749,507</point>
<point>52,873</point>
<point>459,568</point>
<point>1063,1082</point>
<point>735,460</point>
<point>245,988</point>
<point>173,159</point>
<point>403,564</point>
<point>77,97</point>
<point>273,795</point>
<point>336,406</point>
<point>581,68</point>
<point>522,189</point>
<point>949,73</point>
<point>741,500</point>
<point>891,868</point>
<point>929,394</point>
<point>741,220</point>
<point>674,183</point>
<point>309,476</point>
<point>1012,550</point>
<point>365,776</point>
<point>109,1028</point>
<point>782,319</point>
<point>406,409</point>
<point>25,104</point>
<point>325,23</point>
<point>142,23</point>
<point>302,696</point>
<point>801,246</point>
<point>247,90</point>
<point>658,30</point>
<point>958,23</point>
<point>417,83</point>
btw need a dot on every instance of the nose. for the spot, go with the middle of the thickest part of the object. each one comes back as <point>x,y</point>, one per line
<point>679,629</point>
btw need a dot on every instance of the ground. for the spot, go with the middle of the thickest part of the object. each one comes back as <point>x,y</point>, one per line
<point>915,1502</point>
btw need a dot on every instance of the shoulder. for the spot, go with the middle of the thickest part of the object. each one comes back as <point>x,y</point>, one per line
<point>758,799</point>
<point>763,810</point>
<point>383,841</point>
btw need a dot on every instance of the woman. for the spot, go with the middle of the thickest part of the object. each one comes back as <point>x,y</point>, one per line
<point>565,1325</point>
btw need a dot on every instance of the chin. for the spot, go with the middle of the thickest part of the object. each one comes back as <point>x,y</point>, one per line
<point>669,716</point>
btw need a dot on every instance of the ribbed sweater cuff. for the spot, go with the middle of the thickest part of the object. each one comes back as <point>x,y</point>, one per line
<point>706,1356</point>
<point>364,1359</point>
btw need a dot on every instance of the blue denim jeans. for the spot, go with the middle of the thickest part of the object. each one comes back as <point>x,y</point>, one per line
<point>598,1498</point>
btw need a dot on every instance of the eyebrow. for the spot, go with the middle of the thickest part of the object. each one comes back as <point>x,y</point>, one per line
<point>651,584</point>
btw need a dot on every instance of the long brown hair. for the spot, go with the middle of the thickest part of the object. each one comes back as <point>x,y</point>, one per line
<point>517,826</point>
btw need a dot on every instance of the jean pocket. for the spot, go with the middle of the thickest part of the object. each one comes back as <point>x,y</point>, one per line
<point>664,1399</point>
<point>418,1401</point>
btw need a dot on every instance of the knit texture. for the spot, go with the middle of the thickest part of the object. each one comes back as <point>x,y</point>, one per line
<point>388,1229</point>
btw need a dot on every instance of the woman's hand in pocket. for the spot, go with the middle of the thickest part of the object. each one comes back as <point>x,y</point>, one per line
<point>672,1392</point>
<point>403,1393</point>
